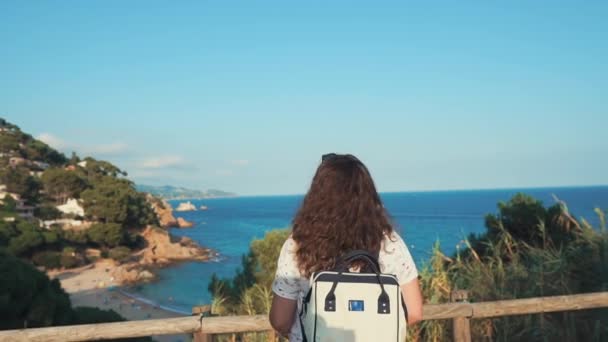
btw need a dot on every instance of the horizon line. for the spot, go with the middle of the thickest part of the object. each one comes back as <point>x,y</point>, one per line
<point>437,190</point>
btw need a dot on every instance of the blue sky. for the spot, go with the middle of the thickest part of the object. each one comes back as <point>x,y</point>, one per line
<point>246,96</point>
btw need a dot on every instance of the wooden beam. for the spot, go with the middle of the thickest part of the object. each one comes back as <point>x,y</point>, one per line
<point>86,332</point>
<point>235,324</point>
<point>446,311</point>
<point>539,305</point>
<point>238,324</point>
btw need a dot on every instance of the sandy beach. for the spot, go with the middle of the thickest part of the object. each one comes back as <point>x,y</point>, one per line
<point>93,286</point>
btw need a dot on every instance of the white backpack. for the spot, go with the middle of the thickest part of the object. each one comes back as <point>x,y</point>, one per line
<point>349,306</point>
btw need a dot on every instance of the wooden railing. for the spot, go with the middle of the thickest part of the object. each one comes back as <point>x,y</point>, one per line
<point>461,313</point>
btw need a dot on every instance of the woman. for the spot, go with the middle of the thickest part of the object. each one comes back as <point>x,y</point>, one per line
<point>341,212</point>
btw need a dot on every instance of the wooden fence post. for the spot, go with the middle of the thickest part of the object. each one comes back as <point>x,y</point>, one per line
<point>202,311</point>
<point>200,337</point>
<point>461,325</point>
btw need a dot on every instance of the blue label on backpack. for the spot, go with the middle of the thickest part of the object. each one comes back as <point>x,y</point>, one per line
<point>356,305</point>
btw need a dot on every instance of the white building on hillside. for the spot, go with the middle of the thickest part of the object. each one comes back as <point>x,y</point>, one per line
<point>4,193</point>
<point>71,207</point>
<point>64,223</point>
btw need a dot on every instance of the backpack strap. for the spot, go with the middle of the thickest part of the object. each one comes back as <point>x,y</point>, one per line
<point>305,302</point>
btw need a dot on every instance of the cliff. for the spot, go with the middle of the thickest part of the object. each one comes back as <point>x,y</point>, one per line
<point>161,250</point>
<point>163,211</point>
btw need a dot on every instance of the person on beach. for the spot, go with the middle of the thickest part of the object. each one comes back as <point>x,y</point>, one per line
<point>341,212</point>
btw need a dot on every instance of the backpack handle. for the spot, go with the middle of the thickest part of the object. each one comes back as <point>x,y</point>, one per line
<point>358,255</point>
<point>343,266</point>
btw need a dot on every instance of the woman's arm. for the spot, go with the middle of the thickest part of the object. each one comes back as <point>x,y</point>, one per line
<point>413,301</point>
<point>282,314</point>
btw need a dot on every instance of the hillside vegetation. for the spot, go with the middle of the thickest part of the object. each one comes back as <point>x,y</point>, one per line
<point>107,216</point>
<point>34,175</point>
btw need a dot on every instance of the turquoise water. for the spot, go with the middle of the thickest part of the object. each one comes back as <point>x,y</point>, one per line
<point>423,218</point>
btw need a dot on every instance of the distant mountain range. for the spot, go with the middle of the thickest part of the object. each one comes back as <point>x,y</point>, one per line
<point>176,192</point>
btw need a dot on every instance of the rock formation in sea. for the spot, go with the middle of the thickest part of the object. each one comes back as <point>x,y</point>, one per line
<point>182,223</point>
<point>185,206</point>
<point>161,250</point>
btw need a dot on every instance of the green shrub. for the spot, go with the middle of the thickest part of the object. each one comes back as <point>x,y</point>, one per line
<point>75,236</point>
<point>120,253</point>
<point>47,212</point>
<point>107,234</point>
<point>9,204</point>
<point>48,259</point>
<point>527,251</point>
<point>69,258</point>
<point>93,258</point>
<point>29,297</point>
<point>25,242</point>
<point>50,237</point>
<point>248,291</point>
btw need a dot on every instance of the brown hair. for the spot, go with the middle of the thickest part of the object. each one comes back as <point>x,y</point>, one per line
<point>341,212</point>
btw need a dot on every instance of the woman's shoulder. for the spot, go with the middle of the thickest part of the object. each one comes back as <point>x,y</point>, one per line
<point>391,238</point>
<point>289,248</point>
<point>290,244</point>
<point>392,245</point>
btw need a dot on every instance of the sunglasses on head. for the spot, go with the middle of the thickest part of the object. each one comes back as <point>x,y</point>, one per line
<point>332,156</point>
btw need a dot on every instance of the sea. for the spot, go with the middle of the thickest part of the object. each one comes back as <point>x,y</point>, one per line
<point>423,218</point>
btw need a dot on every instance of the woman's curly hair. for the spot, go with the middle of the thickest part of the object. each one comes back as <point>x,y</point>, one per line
<point>341,212</point>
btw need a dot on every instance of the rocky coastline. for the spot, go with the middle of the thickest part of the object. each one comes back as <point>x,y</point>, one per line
<point>101,283</point>
<point>161,250</point>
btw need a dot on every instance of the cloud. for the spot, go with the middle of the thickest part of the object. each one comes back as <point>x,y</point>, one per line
<point>52,141</point>
<point>116,148</point>
<point>113,148</point>
<point>163,162</point>
<point>239,162</point>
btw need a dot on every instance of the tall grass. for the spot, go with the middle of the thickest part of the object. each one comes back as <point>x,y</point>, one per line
<point>436,288</point>
<point>254,301</point>
<point>511,268</point>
